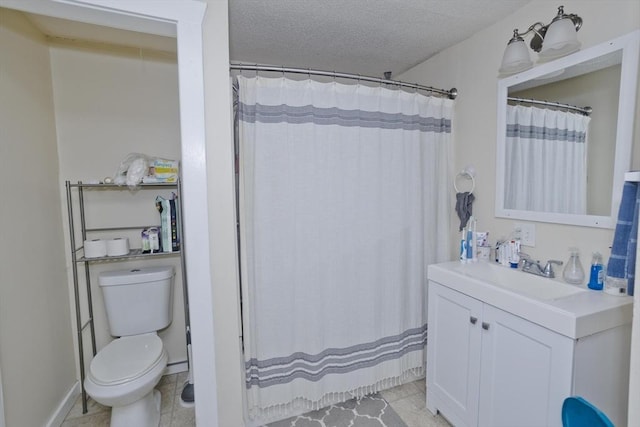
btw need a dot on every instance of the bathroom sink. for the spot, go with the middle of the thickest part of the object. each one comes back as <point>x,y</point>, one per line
<point>570,310</point>
<point>540,288</point>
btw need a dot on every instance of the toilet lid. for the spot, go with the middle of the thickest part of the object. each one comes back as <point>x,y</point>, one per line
<point>126,358</point>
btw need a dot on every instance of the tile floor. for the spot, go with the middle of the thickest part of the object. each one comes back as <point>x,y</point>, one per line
<point>173,413</point>
<point>407,400</point>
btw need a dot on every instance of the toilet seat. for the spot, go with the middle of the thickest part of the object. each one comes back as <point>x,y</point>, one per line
<point>126,358</point>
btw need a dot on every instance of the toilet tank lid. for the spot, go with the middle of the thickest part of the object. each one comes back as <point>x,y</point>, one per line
<point>134,275</point>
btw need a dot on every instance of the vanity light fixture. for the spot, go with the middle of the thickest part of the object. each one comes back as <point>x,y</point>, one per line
<point>553,40</point>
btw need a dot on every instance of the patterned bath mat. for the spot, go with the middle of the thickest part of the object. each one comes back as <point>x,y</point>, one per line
<point>369,411</point>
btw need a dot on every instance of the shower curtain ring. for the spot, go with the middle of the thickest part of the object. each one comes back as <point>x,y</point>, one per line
<point>282,67</point>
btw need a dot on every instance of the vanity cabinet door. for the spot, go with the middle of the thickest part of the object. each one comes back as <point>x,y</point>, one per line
<point>526,372</point>
<point>453,355</point>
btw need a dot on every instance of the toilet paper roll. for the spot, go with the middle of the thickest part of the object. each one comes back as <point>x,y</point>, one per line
<point>118,246</point>
<point>95,248</point>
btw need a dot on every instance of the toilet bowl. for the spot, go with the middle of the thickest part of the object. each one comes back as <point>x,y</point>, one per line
<point>123,375</point>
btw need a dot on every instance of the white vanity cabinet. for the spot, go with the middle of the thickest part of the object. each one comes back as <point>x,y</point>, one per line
<point>454,347</point>
<point>526,371</point>
<point>487,366</point>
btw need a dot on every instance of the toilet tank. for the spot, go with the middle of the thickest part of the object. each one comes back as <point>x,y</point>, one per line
<point>138,300</point>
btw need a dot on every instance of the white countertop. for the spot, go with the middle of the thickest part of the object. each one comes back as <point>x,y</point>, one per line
<point>583,313</point>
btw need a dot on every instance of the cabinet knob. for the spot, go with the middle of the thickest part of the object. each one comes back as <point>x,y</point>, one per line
<point>473,320</point>
<point>485,326</point>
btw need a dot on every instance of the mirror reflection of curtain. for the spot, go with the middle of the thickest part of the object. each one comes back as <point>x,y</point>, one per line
<point>345,200</point>
<point>546,160</point>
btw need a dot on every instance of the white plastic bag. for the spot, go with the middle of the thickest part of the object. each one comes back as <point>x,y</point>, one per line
<point>132,169</point>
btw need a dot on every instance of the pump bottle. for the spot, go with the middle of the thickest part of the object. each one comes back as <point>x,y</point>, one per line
<point>596,277</point>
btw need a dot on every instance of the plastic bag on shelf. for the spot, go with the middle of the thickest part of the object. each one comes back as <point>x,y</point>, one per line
<point>139,168</point>
<point>132,170</point>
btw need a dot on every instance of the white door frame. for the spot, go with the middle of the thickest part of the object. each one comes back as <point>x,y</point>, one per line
<point>1,404</point>
<point>181,19</point>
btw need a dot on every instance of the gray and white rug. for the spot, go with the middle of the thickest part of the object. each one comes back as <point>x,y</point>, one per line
<point>369,411</point>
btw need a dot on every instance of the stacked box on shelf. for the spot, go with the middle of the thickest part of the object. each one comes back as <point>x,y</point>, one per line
<point>169,223</point>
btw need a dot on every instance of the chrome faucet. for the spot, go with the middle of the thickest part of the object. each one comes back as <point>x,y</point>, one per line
<point>534,267</point>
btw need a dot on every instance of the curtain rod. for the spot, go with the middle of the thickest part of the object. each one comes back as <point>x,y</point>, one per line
<point>584,110</point>
<point>451,94</point>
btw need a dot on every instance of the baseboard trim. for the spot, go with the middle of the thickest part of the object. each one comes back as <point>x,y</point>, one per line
<point>176,367</point>
<point>58,416</point>
<point>61,412</point>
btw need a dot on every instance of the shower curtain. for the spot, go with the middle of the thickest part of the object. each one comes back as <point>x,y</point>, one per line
<point>344,201</point>
<point>546,152</point>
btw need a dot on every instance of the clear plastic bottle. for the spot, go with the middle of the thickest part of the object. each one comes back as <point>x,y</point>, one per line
<point>573,272</point>
<point>596,277</point>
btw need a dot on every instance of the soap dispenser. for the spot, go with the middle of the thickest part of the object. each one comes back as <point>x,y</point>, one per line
<point>573,272</point>
<point>596,277</point>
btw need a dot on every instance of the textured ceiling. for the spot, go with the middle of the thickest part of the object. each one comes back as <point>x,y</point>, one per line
<point>365,37</point>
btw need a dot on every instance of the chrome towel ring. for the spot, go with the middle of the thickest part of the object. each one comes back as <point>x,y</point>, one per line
<point>468,175</point>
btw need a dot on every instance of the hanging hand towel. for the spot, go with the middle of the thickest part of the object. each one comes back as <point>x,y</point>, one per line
<point>623,250</point>
<point>632,245</point>
<point>464,203</point>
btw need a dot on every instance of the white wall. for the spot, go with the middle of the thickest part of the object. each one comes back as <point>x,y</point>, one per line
<point>111,101</point>
<point>36,347</point>
<point>472,67</point>
<point>224,261</point>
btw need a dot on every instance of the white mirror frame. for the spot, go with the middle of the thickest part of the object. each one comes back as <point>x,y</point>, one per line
<point>630,46</point>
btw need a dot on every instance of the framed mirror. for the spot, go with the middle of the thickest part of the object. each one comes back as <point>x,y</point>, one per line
<point>557,160</point>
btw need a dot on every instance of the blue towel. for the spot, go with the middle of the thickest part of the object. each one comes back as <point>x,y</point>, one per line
<point>633,244</point>
<point>623,250</point>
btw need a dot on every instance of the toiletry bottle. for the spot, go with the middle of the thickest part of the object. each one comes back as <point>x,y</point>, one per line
<point>469,241</point>
<point>514,256</point>
<point>573,272</point>
<point>474,241</point>
<point>596,277</point>
<point>463,246</point>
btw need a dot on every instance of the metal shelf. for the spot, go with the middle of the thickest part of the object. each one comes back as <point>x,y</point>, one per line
<point>134,253</point>
<point>115,228</point>
<point>81,184</point>
<point>79,260</point>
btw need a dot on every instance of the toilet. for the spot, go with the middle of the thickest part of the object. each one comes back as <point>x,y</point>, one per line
<point>138,303</point>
